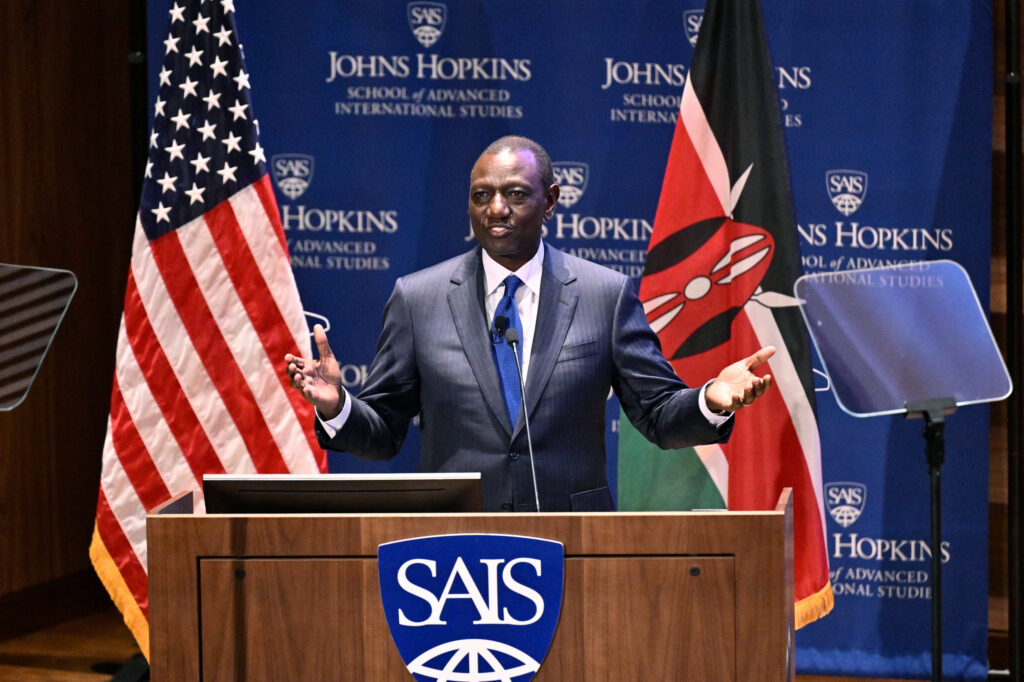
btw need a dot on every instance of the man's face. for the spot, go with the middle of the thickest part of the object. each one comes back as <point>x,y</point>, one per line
<point>508,206</point>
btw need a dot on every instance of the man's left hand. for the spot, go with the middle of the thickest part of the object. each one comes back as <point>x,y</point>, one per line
<point>737,386</point>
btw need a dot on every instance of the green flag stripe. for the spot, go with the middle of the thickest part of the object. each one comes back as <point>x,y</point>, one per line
<point>652,479</point>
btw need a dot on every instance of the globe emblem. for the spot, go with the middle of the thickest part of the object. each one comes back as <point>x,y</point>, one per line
<point>847,203</point>
<point>569,195</point>
<point>427,35</point>
<point>474,660</point>
<point>844,514</point>
<point>292,187</point>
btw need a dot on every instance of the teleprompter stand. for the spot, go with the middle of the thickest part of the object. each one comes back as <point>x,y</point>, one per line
<point>910,340</point>
<point>934,413</point>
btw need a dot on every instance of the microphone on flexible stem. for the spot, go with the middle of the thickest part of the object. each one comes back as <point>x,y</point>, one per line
<point>512,337</point>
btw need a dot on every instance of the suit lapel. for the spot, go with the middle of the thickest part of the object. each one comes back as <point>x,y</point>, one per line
<point>557,304</point>
<point>465,298</point>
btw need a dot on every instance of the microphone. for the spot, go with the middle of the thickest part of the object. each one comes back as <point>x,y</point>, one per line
<point>512,337</point>
<point>500,325</point>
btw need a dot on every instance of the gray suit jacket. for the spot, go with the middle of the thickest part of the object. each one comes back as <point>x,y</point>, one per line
<point>434,360</point>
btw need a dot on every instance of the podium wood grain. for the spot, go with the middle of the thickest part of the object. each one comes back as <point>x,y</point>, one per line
<point>652,596</point>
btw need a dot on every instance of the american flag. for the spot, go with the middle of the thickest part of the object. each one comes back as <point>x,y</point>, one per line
<point>210,310</point>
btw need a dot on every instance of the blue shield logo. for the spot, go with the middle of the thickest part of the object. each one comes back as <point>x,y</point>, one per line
<point>427,20</point>
<point>474,608</point>
<point>571,178</point>
<point>846,189</point>
<point>292,173</point>
<point>845,501</point>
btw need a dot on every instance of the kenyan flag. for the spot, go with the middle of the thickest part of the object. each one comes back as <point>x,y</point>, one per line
<point>717,286</point>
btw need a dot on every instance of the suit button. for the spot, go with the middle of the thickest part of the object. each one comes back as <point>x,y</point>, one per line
<point>506,506</point>
<point>513,456</point>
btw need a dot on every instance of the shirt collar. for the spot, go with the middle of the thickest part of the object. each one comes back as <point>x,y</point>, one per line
<point>529,273</point>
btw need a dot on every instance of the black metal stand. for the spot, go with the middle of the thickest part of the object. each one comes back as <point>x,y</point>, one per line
<point>934,412</point>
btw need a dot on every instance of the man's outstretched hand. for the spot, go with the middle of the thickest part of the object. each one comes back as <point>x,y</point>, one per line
<point>319,380</point>
<point>737,386</point>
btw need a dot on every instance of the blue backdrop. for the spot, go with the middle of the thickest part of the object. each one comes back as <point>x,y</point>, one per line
<point>373,113</point>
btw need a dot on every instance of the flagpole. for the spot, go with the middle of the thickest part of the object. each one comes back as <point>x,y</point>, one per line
<point>1014,340</point>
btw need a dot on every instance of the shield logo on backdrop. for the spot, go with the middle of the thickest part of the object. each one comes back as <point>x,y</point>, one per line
<point>475,607</point>
<point>691,20</point>
<point>292,173</point>
<point>845,501</point>
<point>846,189</point>
<point>427,20</point>
<point>571,178</point>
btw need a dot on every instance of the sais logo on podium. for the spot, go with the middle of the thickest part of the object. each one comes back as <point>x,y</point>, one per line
<point>292,173</point>
<point>845,501</point>
<point>571,178</point>
<point>846,189</point>
<point>474,608</point>
<point>427,20</point>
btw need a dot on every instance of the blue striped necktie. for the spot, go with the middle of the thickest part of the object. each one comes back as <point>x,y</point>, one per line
<point>503,352</point>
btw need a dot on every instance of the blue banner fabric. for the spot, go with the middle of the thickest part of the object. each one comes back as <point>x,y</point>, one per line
<point>372,115</point>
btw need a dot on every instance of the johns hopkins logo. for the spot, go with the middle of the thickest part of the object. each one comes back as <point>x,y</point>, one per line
<point>427,20</point>
<point>571,178</point>
<point>846,188</point>
<point>292,173</point>
<point>691,20</point>
<point>473,608</point>
<point>845,501</point>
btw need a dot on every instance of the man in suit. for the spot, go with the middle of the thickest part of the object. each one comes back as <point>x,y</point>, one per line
<point>581,331</point>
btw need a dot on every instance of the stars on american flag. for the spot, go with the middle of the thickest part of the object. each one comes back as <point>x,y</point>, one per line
<point>203,146</point>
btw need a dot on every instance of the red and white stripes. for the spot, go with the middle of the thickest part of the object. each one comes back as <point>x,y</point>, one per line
<point>210,311</point>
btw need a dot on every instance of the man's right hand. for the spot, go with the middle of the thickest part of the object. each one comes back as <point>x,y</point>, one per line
<point>319,381</point>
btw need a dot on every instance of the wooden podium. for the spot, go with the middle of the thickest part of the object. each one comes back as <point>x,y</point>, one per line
<point>655,596</point>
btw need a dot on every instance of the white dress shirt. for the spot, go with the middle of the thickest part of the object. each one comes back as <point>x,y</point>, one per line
<point>527,297</point>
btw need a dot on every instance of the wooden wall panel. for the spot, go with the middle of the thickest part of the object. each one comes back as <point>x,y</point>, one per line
<point>66,201</point>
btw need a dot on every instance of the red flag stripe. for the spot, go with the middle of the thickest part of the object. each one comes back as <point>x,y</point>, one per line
<point>120,550</point>
<point>165,388</point>
<point>123,500</point>
<point>692,115</point>
<point>684,169</point>
<point>149,423</point>
<point>791,389</point>
<point>266,196</point>
<point>132,452</point>
<point>261,232</point>
<point>188,367</point>
<point>228,307</point>
<point>217,357</point>
<point>266,319</point>
<point>755,478</point>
